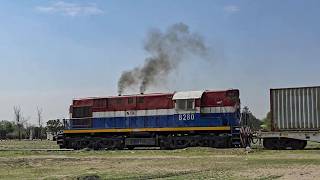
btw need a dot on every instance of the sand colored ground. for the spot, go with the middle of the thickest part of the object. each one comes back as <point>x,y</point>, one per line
<point>191,163</point>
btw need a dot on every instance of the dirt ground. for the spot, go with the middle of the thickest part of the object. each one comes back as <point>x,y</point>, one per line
<point>190,163</point>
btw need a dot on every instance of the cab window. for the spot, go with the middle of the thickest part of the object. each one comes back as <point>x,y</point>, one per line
<point>185,104</point>
<point>81,112</point>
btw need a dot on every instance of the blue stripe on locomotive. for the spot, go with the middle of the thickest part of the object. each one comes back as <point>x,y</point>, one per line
<point>203,120</point>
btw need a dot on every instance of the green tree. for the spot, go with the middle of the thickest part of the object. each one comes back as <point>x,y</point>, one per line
<point>248,119</point>
<point>54,126</point>
<point>266,122</point>
<point>6,127</point>
<point>39,132</point>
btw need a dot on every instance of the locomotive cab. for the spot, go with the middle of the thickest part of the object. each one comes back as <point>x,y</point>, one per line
<point>187,104</point>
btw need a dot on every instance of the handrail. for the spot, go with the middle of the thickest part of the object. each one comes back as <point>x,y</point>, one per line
<point>79,118</point>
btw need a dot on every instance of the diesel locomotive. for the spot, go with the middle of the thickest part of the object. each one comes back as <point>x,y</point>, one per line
<point>166,120</point>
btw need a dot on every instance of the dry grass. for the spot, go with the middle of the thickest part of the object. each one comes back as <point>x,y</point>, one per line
<point>191,163</point>
<point>27,144</point>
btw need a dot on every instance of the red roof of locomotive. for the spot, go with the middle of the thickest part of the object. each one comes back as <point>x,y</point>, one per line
<point>144,95</point>
<point>124,96</point>
<point>152,101</point>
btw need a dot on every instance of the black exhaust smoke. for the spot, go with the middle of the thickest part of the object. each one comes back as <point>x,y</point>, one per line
<point>167,50</point>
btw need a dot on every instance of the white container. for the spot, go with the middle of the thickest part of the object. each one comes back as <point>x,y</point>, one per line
<point>296,109</point>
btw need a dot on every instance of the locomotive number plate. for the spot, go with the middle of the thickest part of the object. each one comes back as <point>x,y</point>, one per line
<point>186,117</point>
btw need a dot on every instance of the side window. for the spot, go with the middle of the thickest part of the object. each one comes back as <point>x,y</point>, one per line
<point>130,100</point>
<point>81,112</point>
<point>185,104</point>
<point>140,100</point>
<point>100,103</point>
<point>181,104</point>
<point>190,104</point>
<point>119,101</point>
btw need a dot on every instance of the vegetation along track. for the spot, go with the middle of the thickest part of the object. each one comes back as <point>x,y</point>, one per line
<point>188,163</point>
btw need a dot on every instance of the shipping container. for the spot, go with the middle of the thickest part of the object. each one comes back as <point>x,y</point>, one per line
<point>295,118</point>
<point>295,109</point>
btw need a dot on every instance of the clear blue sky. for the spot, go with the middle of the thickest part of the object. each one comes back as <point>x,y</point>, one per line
<point>53,51</point>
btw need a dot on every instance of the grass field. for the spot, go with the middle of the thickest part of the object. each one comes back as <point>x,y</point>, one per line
<point>191,163</point>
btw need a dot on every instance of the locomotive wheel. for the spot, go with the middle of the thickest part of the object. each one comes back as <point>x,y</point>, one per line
<point>110,145</point>
<point>270,143</point>
<point>85,143</point>
<point>212,143</point>
<point>203,143</point>
<point>91,144</point>
<point>284,143</point>
<point>165,147</point>
<point>297,144</point>
<point>166,143</point>
<point>222,142</point>
<point>302,144</point>
<point>76,145</point>
<point>98,145</point>
<point>120,147</point>
<point>130,147</point>
<point>179,143</point>
<point>119,144</point>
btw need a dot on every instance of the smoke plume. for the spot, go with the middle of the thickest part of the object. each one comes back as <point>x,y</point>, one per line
<point>167,50</point>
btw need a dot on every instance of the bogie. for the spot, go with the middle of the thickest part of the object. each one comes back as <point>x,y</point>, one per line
<point>284,143</point>
<point>169,141</point>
